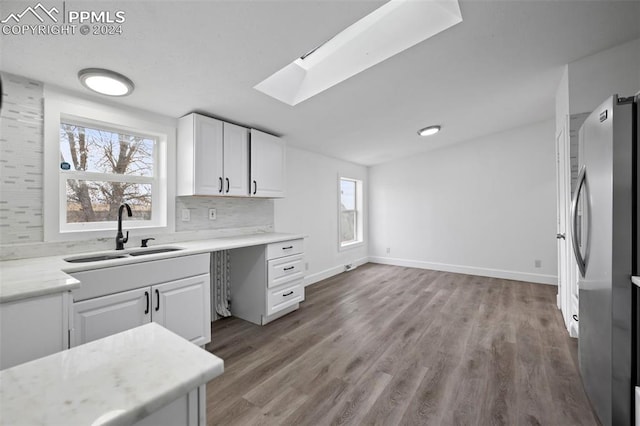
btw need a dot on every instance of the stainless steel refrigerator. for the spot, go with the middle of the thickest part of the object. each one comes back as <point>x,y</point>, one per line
<point>604,236</point>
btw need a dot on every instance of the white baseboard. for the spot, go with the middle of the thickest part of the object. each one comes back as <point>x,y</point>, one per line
<point>328,273</point>
<point>470,270</point>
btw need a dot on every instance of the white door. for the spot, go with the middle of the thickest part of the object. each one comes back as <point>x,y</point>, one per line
<point>208,156</point>
<point>236,160</point>
<point>268,167</point>
<point>184,307</point>
<point>563,192</point>
<point>103,316</point>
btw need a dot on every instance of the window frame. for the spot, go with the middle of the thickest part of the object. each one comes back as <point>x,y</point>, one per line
<point>61,107</point>
<point>358,217</point>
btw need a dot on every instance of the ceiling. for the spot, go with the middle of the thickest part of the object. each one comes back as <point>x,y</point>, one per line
<point>497,70</point>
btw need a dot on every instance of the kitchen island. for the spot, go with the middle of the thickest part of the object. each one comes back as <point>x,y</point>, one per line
<point>146,375</point>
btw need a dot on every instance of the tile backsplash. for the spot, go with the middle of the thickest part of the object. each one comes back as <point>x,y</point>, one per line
<point>231,212</point>
<point>21,188</point>
<point>21,160</point>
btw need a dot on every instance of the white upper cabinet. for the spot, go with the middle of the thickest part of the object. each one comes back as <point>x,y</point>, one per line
<point>236,160</point>
<point>213,157</point>
<point>268,165</point>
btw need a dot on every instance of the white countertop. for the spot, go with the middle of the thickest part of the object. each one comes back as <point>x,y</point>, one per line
<point>636,281</point>
<point>39,276</point>
<point>116,380</point>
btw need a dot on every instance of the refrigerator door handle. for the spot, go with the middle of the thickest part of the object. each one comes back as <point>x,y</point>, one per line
<point>582,266</point>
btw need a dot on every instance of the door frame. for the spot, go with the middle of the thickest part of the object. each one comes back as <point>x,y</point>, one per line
<point>566,264</point>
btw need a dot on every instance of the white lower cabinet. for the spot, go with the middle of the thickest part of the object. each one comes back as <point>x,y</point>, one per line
<point>175,293</point>
<point>184,307</point>
<point>267,282</point>
<point>186,410</point>
<point>104,316</point>
<point>33,328</point>
<point>180,306</point>
<point>284,296</point>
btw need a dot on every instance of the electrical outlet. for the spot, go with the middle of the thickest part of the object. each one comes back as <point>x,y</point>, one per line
<point>537,263</point>
<point>186,215</point>
<point>306,266</point>
<point>212,214</point>
<point>388,250</point>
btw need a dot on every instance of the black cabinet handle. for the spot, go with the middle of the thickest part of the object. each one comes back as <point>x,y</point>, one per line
<point>228,185</point>
<point>220,187</point>
<point>158,298</point>
<point>288,294</point>
<point>146,294</point>
<point>287,248</point>
<point>255,187</point>
<point>289,268</point>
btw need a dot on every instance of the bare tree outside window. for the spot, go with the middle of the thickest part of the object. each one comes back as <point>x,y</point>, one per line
<point>105,169</point>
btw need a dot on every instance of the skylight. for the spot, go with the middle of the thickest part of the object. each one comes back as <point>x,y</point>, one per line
<point>385,32</point>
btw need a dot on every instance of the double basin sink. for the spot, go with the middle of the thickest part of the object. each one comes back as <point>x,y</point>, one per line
<point>97,257</point>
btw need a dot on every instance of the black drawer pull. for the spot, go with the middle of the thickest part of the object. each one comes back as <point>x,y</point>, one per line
<point>287,294</point>
<point>287,248</point>
<point>289,268</point>
<point>228,184</point>
<point>146,294</point>
<point>220,185</point>
<point>158,296</point>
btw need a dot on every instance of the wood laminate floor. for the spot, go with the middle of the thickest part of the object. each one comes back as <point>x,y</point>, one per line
<point>390,345</point>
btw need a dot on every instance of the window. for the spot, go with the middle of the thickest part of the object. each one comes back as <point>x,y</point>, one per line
<point>350,220</point>
<point>98,156</point>
<point>102,168</point>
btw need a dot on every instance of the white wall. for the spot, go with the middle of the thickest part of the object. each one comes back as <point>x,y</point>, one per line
<point>484,207</point>
<point>311,208</point>
<point>594,78</point>
<point>562,101</point>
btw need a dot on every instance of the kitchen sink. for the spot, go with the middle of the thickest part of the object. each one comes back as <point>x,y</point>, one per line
<point>154,251</point>
<point>97,257</point>
<point>94,258</point>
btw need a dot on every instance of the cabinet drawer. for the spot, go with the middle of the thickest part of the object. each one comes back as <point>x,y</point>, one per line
<point>284,296</point>
<point>284,248</point>
<point>284,270</point>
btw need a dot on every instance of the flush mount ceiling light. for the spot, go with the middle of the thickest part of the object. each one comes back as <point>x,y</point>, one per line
<point>105,82</point>
<point>385,32</point>
<point>428,131</point>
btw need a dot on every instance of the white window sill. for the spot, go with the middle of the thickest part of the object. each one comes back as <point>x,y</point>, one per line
<point>350,246</point>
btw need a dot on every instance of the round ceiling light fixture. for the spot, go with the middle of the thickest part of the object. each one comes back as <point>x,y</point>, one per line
<point>105,82</point>
<point>428,131</point>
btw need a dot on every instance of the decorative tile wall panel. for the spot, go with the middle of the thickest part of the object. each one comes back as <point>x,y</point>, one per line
<point>21,160</point>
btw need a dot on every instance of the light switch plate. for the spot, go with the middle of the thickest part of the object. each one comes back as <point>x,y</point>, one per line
<point>186,215</point>
<point>212,214</point>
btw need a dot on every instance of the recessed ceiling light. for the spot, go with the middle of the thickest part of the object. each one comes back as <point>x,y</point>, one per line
<point>428,131</point>
<point>105,82</point>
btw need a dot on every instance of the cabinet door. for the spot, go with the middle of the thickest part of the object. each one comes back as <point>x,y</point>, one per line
<point>268,168</point>
<point>33,328</point>
<point>103,316</point>
<point>181,412</point>
<point>208,155</point>
<point>236,160</point>
<point>184,307</point>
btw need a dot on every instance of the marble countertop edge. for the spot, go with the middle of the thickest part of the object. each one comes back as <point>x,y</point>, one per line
<point>39,276</point>
<point>144,369</point>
